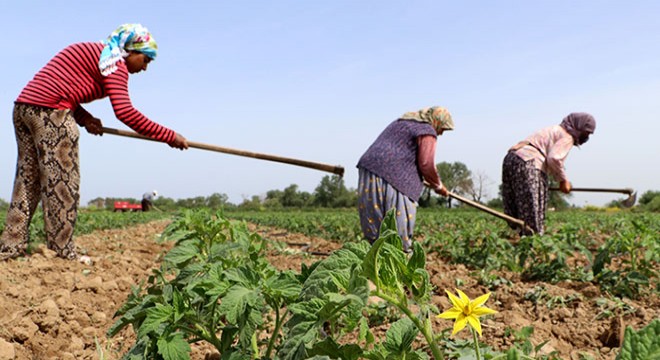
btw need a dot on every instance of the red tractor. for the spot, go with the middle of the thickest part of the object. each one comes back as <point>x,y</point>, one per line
<point>124,206</point>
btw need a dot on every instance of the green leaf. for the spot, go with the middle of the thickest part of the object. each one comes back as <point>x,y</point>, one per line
<point>334,272</point>
<point>365,334</point>
<point>285,286</point>
<point>174,347</point>
<point>601,260</point>
<point>155,317</point>
<point>181,253</point>
<point>328,348</point>
<point>418,258</point>
<point>400,336</point>
<point>235,302</point>
<point>132,316</point>
<point>301,334</point>
<point>420,285</point>
<point>386,265</point>
<point>512,354</point>
<point>642,344</point>
<point>335,304</point>
<point>137,351</point>
<point>234,355</point>
<point>175,236</point>
<point>243,275</point>
<point>190,271</point>
<point>370,264</point>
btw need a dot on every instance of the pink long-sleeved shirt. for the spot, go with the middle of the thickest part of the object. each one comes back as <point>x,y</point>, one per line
<point>548,148</point>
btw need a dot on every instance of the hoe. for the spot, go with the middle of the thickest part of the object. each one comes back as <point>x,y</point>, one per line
<point>338,170</point>
<point>481,207</point>
<point>630,201</point>
<point>485,208</point>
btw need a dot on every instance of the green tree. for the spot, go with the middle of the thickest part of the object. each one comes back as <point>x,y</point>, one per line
<point>164,203</point>
<point>332,192</point>
<point>648,197</point>
<point>254,203</point>
<point>495,203</point>
<point>192,203</point>
<point>99,203</point>
<point>650,201</point>
<point>427,200</point>
<point>273,199</point>
<point>456,177</point>
<point>217,200</point>
<point>291,197</point>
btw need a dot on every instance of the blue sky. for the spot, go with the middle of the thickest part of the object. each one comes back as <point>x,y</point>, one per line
<point>319,80</point>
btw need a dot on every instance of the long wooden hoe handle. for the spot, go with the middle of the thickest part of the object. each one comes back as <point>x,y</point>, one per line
<point>627,191</point>
<point>335,169</point>
<point>487,209</point>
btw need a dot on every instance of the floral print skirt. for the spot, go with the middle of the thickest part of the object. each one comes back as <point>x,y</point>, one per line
<point>375,197</point>
<point>524,193</point>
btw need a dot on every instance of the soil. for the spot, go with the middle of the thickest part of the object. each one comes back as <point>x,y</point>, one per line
<point>51,308</point>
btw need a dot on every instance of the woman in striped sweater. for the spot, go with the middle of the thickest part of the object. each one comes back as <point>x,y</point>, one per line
<point>45,117</point>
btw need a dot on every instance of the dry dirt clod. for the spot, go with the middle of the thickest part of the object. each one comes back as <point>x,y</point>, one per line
<point>613,336</point>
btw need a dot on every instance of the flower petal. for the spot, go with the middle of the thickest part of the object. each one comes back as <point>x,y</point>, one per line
<point>460,323</point>
<point>474,322</point>
<point>450,314</point>
<point>456,302</point>
<point>464,298</point>
<point>481,311</point>
<point>480,300</point>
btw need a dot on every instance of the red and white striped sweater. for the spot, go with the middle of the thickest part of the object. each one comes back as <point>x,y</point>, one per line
<point>73,77</point>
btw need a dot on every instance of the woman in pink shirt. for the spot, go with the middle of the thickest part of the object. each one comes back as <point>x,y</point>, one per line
<point>526,166</point>
<point>46,117</point>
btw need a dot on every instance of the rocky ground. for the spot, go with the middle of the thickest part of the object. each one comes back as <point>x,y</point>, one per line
<point>56,309</point>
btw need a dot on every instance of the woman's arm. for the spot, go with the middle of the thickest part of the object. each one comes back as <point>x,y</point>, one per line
<point>557,153</point>
<point>89,122</point>
<point>116,86</point>
<point>426,162</point>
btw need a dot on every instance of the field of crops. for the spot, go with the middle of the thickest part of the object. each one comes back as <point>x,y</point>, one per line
<point>618,251</point>
<point>301,285</point>
<point>250,307</point>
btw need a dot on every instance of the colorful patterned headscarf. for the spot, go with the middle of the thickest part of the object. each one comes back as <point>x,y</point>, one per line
<point>580,126</point>
<point>437,116</point>
<point>127,37</point>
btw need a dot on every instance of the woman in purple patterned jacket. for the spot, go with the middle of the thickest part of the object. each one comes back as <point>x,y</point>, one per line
<point>392,171</point>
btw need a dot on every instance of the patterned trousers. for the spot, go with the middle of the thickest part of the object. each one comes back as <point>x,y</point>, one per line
<point>47,170</point>
<point>375,197</point>
<point>524,192</point>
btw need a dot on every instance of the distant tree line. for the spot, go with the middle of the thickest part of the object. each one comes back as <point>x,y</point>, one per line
<point>333,193</point>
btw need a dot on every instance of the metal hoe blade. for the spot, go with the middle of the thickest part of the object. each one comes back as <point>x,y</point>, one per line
<point>630,201</point>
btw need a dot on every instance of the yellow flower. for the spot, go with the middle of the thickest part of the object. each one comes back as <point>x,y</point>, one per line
<point>466,311</point>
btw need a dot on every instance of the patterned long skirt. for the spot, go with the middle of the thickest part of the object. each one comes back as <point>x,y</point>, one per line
<point>375,197</point>
<point>524,192</point>
<point>47,170</point>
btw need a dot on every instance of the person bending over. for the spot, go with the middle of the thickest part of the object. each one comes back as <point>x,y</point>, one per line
<point>46,115</point>
<point>526,166</point>
<point>392,171</point>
